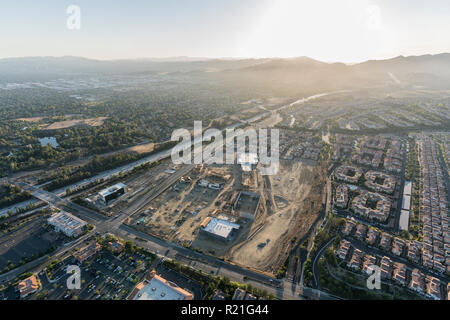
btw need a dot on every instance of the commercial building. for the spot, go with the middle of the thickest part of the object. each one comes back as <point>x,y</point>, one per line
<point>404,220</point>
<point>28,286</point>
<point>67,223</point>
<point>240,294</point>
<point>219,228</point>
<point>406,202</point>
<point>86,252</point>
<point>158,288</point>
<point>112,193</point>
<point>115,246</point>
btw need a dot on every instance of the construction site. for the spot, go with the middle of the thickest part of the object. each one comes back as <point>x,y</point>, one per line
<point>290,202</point>
<point>240,216</point>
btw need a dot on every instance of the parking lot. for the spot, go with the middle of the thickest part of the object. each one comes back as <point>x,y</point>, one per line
<point>180,280</point>
<point>103,277</point>
<point>26,242</point>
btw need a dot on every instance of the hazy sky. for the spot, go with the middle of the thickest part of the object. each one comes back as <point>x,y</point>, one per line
<point>328,30</point>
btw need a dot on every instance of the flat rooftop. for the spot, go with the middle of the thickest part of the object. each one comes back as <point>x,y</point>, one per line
<point>220,227</point>
<point>406,202</point>
<point>159,288</point>
<point>66,220</point>
<point>404,220</point>
<point>106,192</point>
<point>407,189</point>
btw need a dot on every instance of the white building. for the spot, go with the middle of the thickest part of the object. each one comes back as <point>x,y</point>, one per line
<point>158,288</point>
<point>219,228</point>
<point>67,223</point>
<point>203,183</point>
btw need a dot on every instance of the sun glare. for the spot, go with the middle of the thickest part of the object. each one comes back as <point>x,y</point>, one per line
<point>328,30</point>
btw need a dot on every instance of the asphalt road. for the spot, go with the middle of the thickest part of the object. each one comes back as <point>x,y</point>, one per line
<point>211,265</point>
<point>281,289</point>
<point>316,259</point>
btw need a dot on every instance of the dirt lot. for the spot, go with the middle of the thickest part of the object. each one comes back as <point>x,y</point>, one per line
<point>176,214</point>
<point>34,119</point>
<point>93,122</point>
<point>142,148</point>
<point>290,212</point>
<point>289,203</point>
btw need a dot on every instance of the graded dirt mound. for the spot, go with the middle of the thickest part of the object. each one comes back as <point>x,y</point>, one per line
<point>292,216</point>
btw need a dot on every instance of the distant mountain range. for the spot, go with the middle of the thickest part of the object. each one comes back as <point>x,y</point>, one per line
<point>425,70</point>
<point>77,65</point>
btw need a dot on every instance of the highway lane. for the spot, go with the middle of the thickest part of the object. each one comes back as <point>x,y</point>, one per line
<point>103,224</point>
<point>282,289</point>
<point>151,158</point>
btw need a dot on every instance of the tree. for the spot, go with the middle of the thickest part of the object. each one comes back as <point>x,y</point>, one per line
<point>129,246</point>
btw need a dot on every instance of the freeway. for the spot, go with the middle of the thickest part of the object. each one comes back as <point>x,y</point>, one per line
<point>199,261</point>
<point>151,158</point>
<point>63,204</point>
<point>282,289</point>
<point>144,199</point>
